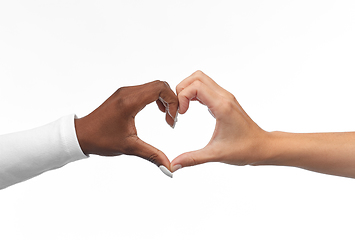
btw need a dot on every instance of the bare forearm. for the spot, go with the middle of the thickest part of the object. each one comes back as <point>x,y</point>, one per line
<point>330,153</point>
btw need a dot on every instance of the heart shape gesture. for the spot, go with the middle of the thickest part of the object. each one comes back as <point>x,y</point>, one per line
<point>110,129</point>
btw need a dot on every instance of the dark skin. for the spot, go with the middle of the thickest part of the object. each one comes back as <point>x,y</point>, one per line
<point>110,129</point>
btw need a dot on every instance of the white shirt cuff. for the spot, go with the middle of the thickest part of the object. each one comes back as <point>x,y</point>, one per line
<point>26,154</point>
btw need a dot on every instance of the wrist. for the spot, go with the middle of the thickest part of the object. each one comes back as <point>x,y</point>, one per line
<point>81,134</point>
<point>269,149</point>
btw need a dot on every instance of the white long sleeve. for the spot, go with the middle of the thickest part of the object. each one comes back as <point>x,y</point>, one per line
<point>26,154</point>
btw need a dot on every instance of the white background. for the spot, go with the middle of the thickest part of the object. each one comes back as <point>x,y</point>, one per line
<point>289,63</point>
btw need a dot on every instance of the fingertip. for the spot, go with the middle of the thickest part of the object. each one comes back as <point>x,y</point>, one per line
<point>178,162</point>
<point>166,171</point>
<point>162,160</point>
<point>183,104</point>
<point>178,89</point>
<point>171,117</point>
<point>175,168</point>
<point>176,117</point>
<point>190,159</point>
<point>160,105</point>
<point>169,120</point>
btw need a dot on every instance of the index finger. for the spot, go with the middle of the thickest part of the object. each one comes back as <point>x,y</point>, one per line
<point>159,90</point>
<point>200,91</point>
<point>201,76</point>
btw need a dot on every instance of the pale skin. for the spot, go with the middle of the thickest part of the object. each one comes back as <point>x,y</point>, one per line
<point>238,140</point>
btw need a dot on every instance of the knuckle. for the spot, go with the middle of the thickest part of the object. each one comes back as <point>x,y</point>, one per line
<point>156,81</point>
<point>153,158</point>
<point>193,161</point>
<point>179,89</point>
<point>126,100</point>
<point>197,84</point>
<point>162,84</point>
<point>121,90</point>
<point>199,73</point>
<point>227,106</point>
<point>120,96</point>
<point>232,97</point>
<point>123,102</point>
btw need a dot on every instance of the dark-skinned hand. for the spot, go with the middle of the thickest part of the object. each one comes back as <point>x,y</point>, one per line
<point>110,129</point>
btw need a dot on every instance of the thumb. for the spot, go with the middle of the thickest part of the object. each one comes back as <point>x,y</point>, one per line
<point>150,153</point>
<point>191,159</point>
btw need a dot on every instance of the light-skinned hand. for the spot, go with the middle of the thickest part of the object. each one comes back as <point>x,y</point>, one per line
<point>236,138</point>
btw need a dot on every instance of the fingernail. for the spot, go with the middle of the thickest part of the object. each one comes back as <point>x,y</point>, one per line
<point>163,102</point>
<point>175,120</point>
<point>200,101</point>
<point>211,113</point>
<point>176,167</point>
<point>176,116</point>
<point>166,83</point>
<point>166,171</point>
